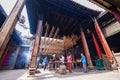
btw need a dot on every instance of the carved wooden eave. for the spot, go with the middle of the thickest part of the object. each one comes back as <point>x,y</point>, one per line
<point>70,41</point>
<point>56,45</point>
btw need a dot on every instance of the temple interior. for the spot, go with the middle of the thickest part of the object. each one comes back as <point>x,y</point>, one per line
<point>60,27</point>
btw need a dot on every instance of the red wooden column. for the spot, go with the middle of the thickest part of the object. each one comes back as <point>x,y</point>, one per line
<point>32,67</point>
<point>85,46</point>
<point>103,40</point>
<point>96,46</point>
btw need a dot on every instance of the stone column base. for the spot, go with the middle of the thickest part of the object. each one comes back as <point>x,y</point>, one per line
<point>32,71</point>
<point>91,67</point>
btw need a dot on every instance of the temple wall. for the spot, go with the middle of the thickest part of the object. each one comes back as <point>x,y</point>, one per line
<point>117,56</point>
<point>23,58</point>
<point>111,29</point>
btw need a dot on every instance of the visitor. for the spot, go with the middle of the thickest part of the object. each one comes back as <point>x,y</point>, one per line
<point>69,60</point>
<point>45,62</point>
<point>62,59</point>
<point>83,60</point>
<point>54,59</point>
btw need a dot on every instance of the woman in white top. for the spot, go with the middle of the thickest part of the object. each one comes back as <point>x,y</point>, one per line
<point>62,59</point>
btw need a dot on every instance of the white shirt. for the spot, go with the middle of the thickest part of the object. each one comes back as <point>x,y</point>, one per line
<point>62,59</point>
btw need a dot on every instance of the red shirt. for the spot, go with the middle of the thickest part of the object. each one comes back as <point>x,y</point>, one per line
<point>69,59</point>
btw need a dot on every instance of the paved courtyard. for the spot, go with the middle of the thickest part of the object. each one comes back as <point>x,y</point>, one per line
<point>50,75</point>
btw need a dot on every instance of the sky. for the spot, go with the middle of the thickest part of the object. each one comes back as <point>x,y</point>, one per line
<point>9,4</point>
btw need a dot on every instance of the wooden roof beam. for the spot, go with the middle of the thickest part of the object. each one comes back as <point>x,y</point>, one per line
<point>76,28</point>
<point>72,26</point>
<point>46,33</point>
<point>70,41</point>
<point>50,35</point>
<point>51,43</point>
<point>61,20</point>
<point>47,29</point>
<point>55,35</point>
<point>64,21</point>
<point>68,24</point>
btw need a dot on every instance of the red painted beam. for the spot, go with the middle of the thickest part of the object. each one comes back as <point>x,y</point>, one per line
<point>103,40</point>
<point>96,46</point>
<point>85,47</point>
